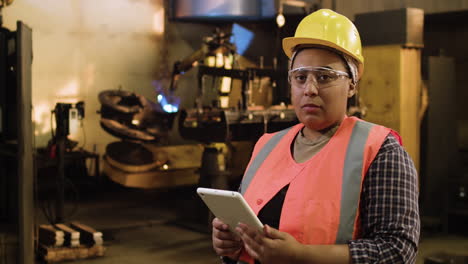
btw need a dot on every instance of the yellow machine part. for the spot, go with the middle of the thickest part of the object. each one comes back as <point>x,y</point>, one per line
<point>151,179</point>
<point>174,166</point>
<point>178,165</point>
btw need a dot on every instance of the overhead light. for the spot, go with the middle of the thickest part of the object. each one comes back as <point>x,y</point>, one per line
<point>280,20</point>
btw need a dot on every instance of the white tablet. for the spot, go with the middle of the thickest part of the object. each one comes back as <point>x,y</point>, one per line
<point>230,207</point>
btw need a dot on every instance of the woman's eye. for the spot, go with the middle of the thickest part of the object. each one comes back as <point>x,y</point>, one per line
<point>325,77</point>
<point>300,77</point>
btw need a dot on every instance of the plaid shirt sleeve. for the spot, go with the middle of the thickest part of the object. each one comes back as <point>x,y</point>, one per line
<point>389,209</point>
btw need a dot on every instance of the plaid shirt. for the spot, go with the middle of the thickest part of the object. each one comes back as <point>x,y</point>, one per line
<point>389,209</point>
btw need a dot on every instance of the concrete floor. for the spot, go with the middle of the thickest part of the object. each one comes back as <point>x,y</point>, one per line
<point>145,226</point>
<point>448,244</point>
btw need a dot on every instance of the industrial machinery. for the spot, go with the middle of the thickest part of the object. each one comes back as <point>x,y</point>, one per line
<point>227,118</point>
<point>130,116</point>
<point>241,119</point>
<point>139,160</point>
<point>67,119</point>
<point>240,106</point>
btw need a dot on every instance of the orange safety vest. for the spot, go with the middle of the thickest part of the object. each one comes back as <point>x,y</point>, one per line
<point>322,202</point>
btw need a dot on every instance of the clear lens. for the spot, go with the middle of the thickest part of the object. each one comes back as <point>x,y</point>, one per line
<point>321,76</point>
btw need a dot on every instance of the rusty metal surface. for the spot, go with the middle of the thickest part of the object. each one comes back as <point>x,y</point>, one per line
<point>129,153</point>
<point>153,178</point>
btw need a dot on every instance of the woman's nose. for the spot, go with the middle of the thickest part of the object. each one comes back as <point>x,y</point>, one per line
<point>310,88</point>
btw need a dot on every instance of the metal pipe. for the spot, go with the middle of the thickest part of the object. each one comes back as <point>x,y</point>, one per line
<point>25,146</point>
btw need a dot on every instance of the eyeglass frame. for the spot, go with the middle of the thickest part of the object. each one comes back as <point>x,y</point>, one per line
<point>312,68</point>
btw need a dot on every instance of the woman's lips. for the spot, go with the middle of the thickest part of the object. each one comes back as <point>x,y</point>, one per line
<point>310,107</point>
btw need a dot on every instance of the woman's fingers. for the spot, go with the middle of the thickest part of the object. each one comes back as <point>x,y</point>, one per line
<point>225,243</point>
<point>225,235</point>
<point>225,247</point>
<point>221,231</point>
<point>253,240</point>
<point>218,224</point>
<point>254,253</point>
<point>252,234</point>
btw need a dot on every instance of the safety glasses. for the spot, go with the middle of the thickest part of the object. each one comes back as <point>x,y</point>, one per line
<point>322,77</point>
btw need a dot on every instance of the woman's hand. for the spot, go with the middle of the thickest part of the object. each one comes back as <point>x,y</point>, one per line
<point>271,245</point>
<point>225,243</point>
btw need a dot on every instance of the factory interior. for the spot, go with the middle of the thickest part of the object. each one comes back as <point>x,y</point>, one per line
<point>114,112</point>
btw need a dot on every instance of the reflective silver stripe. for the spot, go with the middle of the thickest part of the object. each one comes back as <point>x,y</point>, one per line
<point>351,186</point>
<point>260,158</point>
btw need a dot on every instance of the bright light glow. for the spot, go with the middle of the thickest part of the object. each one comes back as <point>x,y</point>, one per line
<point>170,108</point>
<point>70,90</point>
<point>41,118</point>
<point>169,103</point>
<point>280,20</point>
<point>41,114</point>
<point>228,61</point>
<point>224,101</point>
<point>219,60</point>
<point>158,21</point>
<point>226,84</point>
<point>210,61</point>
<point>165,167</point>
<point>135,122</point>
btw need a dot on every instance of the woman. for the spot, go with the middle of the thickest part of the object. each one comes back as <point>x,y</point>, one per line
<point>332,189</point>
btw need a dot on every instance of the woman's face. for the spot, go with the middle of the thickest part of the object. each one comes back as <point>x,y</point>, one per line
<point>319,106</point>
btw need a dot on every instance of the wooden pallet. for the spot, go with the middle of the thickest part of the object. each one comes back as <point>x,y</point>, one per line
<point>75,241</point>
<point>52,254</point>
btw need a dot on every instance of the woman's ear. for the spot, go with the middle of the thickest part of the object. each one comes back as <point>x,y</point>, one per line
<point>352,90</point>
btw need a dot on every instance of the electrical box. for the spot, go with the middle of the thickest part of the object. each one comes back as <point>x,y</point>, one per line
<point>402,26</point>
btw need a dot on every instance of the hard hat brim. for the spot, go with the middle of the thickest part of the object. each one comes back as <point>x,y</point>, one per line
<point>290,43</point>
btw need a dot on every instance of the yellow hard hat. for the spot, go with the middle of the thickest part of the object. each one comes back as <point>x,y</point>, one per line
<point>330,29</point>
